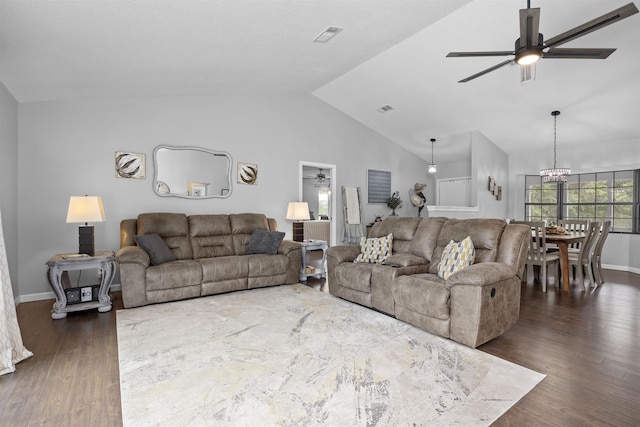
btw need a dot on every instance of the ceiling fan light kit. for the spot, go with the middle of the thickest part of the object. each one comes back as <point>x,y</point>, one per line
<point>531,47</point>
<point>555,174</point>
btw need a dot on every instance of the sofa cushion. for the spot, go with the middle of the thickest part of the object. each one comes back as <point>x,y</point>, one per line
<point>156,248</point>
<point>210,236</point>
<point>265,242</point>
<point>402,228</point>
<point>242,226</point>
<point>172,227</point>
<point>355,276</point>
<point>485,235</point>
<point>455,257</point>
<point>172,275</point>
<point>425,294</point>
<point>375,250</point>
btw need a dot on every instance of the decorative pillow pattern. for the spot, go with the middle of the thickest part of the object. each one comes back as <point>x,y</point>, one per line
<point>156,247</point>
<point>455,257</point>
<point>265,242</point>
<point>375,250</point>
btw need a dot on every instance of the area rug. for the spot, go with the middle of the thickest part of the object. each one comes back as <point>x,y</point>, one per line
<point>295,356</point>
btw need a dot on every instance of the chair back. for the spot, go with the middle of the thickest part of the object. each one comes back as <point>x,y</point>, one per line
<point>574,225</point>
<point>600,238</point>
<point>591,235</point>
<point>538,242</point>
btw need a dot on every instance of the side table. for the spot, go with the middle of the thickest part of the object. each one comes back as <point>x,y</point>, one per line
<point>58,267</point>
<point>307,247</point>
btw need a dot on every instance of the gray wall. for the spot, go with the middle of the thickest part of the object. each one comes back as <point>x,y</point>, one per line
<point>9,180</point>
<point>67,148</point>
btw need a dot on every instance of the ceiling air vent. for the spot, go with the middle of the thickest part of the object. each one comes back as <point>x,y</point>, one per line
<point>327,34</point>
<point>384,108</point>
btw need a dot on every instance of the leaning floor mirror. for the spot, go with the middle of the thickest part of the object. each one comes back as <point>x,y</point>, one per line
<point>191,172</point>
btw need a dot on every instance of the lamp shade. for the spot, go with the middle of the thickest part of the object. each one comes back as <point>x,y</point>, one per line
<point>85,209</point>
<point>298,211</point>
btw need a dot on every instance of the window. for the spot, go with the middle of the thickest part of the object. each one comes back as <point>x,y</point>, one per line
<point>324,195</point>
<point>602,196</point>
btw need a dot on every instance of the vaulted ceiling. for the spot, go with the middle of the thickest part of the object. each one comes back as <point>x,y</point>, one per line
<point>391,52</point>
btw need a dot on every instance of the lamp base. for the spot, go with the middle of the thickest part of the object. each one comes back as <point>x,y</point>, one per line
<point>86,240</point>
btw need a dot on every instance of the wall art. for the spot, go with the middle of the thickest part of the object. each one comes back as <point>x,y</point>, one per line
<point>130,165</point>
<point>378,186</point>
<point>247,173</point>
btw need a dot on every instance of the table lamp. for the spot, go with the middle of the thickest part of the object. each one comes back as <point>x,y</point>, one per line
<point>85,209</point>
<point>298,211</point>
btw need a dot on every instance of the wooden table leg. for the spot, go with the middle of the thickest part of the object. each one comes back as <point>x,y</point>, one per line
<point>564,259</point>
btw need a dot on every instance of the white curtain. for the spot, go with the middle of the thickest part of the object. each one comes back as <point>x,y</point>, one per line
<point>12,350</point>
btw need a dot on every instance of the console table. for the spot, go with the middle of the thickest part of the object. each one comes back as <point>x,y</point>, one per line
<point>59,266</point>
<point>307,247</point>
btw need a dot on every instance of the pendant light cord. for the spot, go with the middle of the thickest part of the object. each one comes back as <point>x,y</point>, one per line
<point>555,120</point>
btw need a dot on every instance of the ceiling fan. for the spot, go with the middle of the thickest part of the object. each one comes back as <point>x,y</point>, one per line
<point>320,177</point>
<point>531,46</point>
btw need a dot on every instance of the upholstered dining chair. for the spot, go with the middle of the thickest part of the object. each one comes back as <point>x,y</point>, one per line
<point>582,259</point>
<point>538,255</point>
<point>596,263</point>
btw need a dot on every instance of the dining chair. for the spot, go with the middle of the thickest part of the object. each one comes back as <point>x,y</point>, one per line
<point>538,255</point>
<point>596,263</point>
<point>582,259</point>
<point>573,225</point>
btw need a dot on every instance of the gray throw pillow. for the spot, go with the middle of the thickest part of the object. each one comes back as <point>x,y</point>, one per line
<point>156,247</point>
<point>265,242</point>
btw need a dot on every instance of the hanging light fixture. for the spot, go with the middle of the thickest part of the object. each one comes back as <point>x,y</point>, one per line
<point>321,176</point>
<point>556,174</point>
<point>432,166</point>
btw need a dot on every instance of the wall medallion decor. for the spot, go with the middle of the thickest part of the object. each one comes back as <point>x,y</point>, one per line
<point>247,173</point>
<point>130,165</point>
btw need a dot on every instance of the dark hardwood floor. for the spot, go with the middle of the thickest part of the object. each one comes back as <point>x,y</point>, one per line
<point>588,345</point>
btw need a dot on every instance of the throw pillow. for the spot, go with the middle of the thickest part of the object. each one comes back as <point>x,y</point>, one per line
<point>455,257</point>
<point>265,242</point>
<point>156,248</point>
<point>375,250</point>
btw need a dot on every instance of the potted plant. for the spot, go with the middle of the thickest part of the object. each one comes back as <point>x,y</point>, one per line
<point>394,202</point>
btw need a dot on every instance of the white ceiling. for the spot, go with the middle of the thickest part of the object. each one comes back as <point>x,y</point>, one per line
<point>390,52</point>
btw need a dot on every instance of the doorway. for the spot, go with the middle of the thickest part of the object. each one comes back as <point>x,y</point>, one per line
<point>317,187</point>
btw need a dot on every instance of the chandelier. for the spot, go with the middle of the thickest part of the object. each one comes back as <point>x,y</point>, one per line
<point>555,174</point>
<point>432,166</point>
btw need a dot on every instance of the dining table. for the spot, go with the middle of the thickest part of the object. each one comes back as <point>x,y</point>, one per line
<point>563,240</point>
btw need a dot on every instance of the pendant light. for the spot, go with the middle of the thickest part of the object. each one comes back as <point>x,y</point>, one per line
<point>555,174</point>
<point>432,166</point>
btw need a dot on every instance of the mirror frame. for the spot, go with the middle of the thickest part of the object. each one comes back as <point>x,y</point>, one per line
<point>192,148</point>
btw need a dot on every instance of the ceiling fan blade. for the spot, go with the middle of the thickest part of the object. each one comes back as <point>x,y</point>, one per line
<point>578,53</point>
<point>477,54</point>
<point>488,70</point>
<point>593,25</point>
<point>529,27</point>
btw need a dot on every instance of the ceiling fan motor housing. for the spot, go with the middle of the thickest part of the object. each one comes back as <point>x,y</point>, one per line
<point>535,51</point>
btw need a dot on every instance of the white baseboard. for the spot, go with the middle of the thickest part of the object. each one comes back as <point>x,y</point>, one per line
<point>621,268</point>
<point>48,295</point>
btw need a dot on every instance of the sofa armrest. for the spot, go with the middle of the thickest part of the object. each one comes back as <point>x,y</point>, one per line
<point>288,246</point>
<point>485,302</point>
<point>481,274</point>
<point>345,253</point>
<point>133,255</point>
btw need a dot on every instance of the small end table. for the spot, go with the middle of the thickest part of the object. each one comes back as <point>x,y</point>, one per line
<point>58,267</point>
<point>308,246</point>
